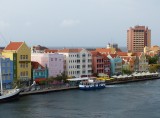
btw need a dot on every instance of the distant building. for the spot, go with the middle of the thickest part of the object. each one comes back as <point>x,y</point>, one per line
<point>152,51</point>
<point>38,49</point>
<point>54,62</point>
<point>137,38</point>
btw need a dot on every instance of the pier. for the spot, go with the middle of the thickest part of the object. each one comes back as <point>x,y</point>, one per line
<point>47,90</point>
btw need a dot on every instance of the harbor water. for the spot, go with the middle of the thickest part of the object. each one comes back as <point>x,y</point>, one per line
<point>131,100</point>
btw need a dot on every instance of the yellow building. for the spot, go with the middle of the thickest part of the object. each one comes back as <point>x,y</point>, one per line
<point>20,54</point>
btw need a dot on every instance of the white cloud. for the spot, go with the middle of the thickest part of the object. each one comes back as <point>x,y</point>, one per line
<point>69,23</point>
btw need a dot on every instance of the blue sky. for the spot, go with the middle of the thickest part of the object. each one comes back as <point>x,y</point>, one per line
<point>76,23</point>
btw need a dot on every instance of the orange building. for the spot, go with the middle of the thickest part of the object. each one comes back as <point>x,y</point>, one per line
<point>100,63</point>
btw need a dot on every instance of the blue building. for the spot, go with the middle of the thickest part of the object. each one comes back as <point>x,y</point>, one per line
<point>39,72</point>
<point>116,64</point>
<point>6,72</point>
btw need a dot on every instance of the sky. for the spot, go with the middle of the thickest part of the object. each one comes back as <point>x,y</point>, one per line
<point>76,23</point>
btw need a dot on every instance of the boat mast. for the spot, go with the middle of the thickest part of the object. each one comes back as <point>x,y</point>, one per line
<point>1,75</point>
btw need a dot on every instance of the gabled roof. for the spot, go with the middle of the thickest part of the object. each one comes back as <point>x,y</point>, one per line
<point>35,65</point>
<point>67,50</point>
<point>95,53</point>
<point>113,55</point>
<point>13,46</point>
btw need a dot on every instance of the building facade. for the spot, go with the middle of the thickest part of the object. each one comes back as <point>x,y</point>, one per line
<point>6,72</point>
<point>38,71</point>
<point>137,38</point>
<point>100,63</point>
<point>116,64</point>
<point>54,62</point>
<point>20,54</point>
<point>143,62</point>
<point>78,62</point>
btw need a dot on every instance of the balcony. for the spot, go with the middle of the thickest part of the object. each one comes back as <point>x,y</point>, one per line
<point>24,60</point>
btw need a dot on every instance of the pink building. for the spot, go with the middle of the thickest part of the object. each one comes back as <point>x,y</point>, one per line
<point>54,62</point>
<point>137,38</point>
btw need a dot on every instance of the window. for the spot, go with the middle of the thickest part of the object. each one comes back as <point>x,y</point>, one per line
<point>55,59</point>
<point>26,56</point>
<point>21,74</point>
<point>21,56</point>
<point>3,65</point>
<point>78,55</point>
<point>8,63</point>
<point>83,55</point>
<point>21,65</point>
<point>8,77</point>
<point>26,65</point>
<point>51,59</point>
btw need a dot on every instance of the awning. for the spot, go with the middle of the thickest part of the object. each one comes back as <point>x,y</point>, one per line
<point>39,80</point>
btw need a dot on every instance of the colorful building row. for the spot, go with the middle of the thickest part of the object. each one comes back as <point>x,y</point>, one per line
<point>24,64</point>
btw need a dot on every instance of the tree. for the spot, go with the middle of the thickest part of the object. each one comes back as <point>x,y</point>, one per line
<point>126,71</point>
<point>154,68</point>
<point>152,60</point>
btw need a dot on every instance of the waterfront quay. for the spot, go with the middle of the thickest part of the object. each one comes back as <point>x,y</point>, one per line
<point>46,89</point>
<point>130,80</point>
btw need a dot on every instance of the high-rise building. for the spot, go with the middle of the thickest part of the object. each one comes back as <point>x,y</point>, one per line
<point>137,38</point>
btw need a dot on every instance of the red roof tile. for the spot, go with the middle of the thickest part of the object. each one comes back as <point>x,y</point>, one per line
<point>35,65</point>
<point>95,53</point>
<point>113,55</point>
<point>103,50</point>
<point>122,53</point>
<point>70,50</point>
<point>50,51</point>
<point>13,45</point>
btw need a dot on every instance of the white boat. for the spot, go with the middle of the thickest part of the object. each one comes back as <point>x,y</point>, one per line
<point>7,95</point>
<point>91,85</point>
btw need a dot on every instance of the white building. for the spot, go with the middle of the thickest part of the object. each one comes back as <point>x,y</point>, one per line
<point>54,62</point>
<point>78,62</point>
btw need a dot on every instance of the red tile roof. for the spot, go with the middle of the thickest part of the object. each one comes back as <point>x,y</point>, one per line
<point>70,50</point>
<point>113,55</point>
<point>35,65</point>
<point>138,54</point>
<point>13,46</point>
<point>122,53</point>
<point>104,50</point>
<point>95,53</point>
<point>50,51</point>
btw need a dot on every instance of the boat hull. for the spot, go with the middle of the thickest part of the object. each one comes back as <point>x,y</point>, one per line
<point>10,97</point>
<point>91,87</point>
